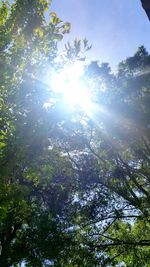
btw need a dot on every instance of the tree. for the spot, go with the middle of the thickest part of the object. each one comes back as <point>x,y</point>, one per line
<point>28,46</point>
<point>146,6</point>
<point>113,163</point>
<point>118,140</point>
<point>74,187</point>
<point>37,180</point>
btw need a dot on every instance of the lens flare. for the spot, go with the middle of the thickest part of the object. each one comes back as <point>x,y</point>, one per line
<point>69,84</point>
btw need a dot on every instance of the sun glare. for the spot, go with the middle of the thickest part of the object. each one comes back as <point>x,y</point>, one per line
<point>69,85</point>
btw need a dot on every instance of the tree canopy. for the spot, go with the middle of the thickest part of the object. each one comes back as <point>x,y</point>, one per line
<point>74,183</point>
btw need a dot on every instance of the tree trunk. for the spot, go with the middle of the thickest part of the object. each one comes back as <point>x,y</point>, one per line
<point>4,257</point>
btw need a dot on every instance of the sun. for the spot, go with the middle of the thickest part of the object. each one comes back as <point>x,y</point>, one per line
<point>68,84</point>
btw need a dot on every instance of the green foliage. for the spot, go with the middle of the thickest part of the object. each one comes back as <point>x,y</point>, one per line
<point>74,189</point>
<point>35,181</point>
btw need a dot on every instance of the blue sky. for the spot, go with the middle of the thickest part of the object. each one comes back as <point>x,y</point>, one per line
<point>115,28</point>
